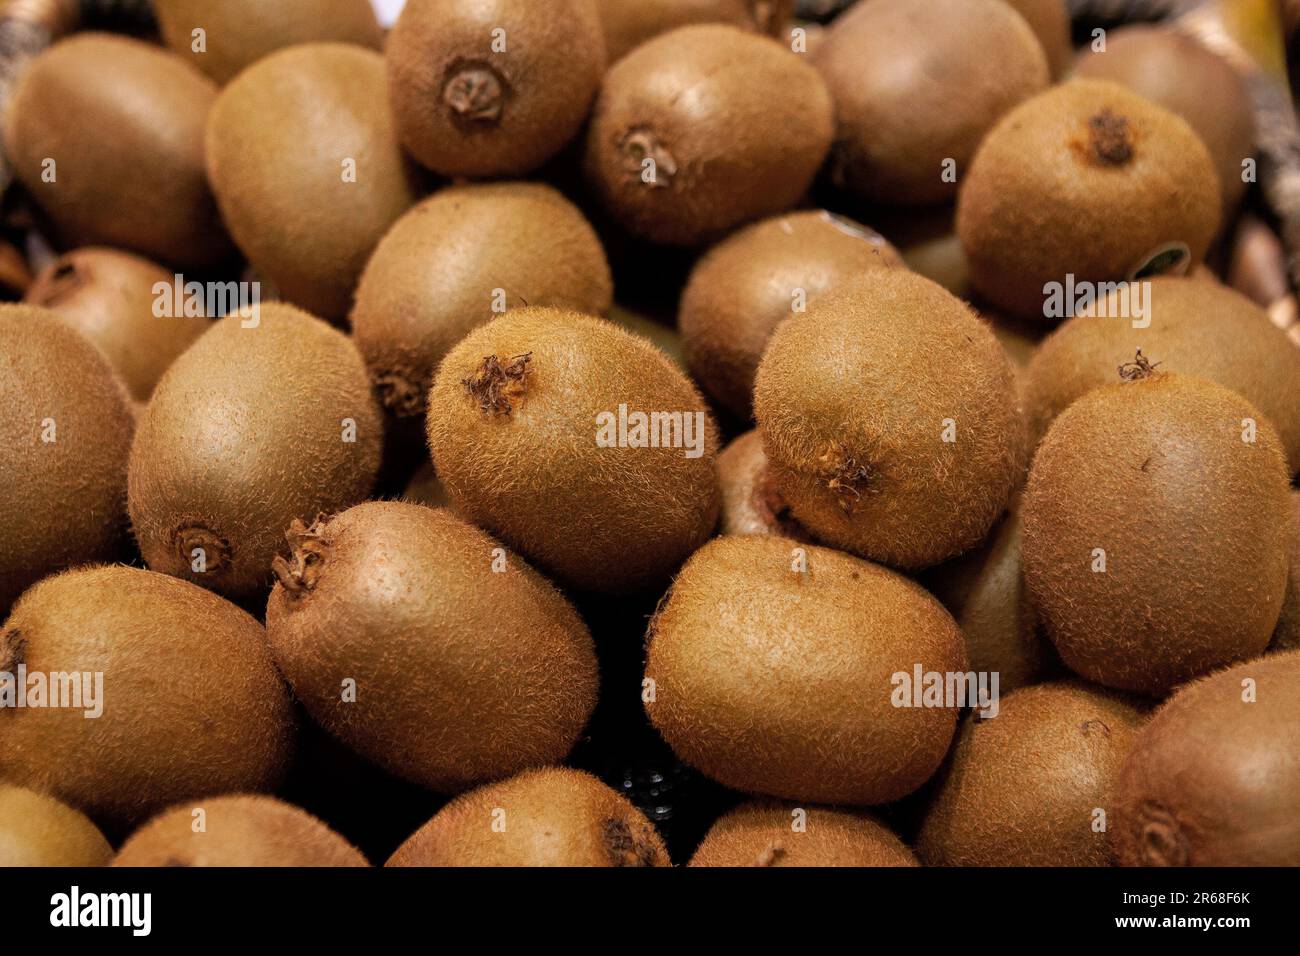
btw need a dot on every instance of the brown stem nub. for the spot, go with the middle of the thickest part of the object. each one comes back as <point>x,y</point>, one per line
<point>299,572</point>
<point>498,383</point>
<point>844,475</point>
<point>1163,843</point>
<point>1141,367</point>
<point>399,394</point>
<point>475,93</point>
<point>1110,141</point>
<point>216,550</point>
<point>641,144</point>
<point>771,854</point>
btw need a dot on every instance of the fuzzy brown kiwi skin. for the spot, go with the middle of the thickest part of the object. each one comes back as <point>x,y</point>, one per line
<point>553,817</point>
<point>1287,634</point>
<point>914,87</point>
<point>1050,21</point>
<point>241,830</point>
<point>464,108</point>
<point>519,659</point>
<point>746,285</point>
<point>1023,788</point>
<point>437,273</point>
<point>109,297</point>
<point>159,203</point>
<point>852,399</point>
<point>731,691</point>
<point>1196,327</point>
<point>760,834</point>
<point>513,426</point>
<point>270,441</point>
<point>302,221</point>
<point>238,32</point>
<point>1194,522</point>
<point>714,169</point>
<point>1114,178</point>
<point>37,830</point>
<point>629,23</point>
<point>1181,74</point>
<point>1212,779</point>
<point>66,425</point>
<point>751,503</point>
<point>193,702</point>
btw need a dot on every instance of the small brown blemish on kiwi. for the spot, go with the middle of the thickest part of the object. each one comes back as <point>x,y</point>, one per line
<point>1141,367</point>
<point>64,280</point>
<point>299,572</point>
<point>1094,726</point>
<point>771,855</point>
<point>623,847</point>
<point>844,475</point>
<point>475,93</point>
<point>498,383</point>
<point>643,143</point>
<point>1109,139</point>
<point>191,538</point>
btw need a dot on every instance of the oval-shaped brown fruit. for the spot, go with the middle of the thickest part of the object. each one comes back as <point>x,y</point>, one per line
<point>985,591</point>
<point>37,830</point>
<point>578,443</point>
<point>305,165</point>
<point>891,420</point>
<point>173,694</point>
<point>778,668</point>
<point>1213,777</point>
<point>129,307</point>
<point>469,666</point>
<point>750,502</point>
<point>629,23</point>
<point>1157,526</point>
<point>1192,326</point>
<point>239,32</point>
<point>1085,183</point>
<point>745,286</point>
<point>705,128</point>
<point>65,427</point>
<point>547,817</point>
<point>1028,785</point>
<point>249,429</point>
<point>238,830</point>
<point>1050,21</point>
<point>1286,635</point>
<point>1173,69</point>
<point>460,258</point>
<point>494,87</point>
<point>106,133</point>
<point>916,86</point>
<point>777,834</point>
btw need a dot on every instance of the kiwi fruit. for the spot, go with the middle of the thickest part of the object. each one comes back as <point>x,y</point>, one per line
<point>642,323</point>
<point>65,425</point>
<point>750,502</point>
<point>1050,21</point>
<point>891,420</point>
<point>142,187</point>
<point>1193,326</point>
<point>37,830</point>
<point>456,260</point>
<point>304,162</point>
<point>629,23</point>
<point>1033,786</point>
<point>1156,531</point>
<point>424,488</point>
<point>1173,69</point>
<point>1086,179</point>
<point>467,665</point>
<point>705,128</point>
<point>237,33</point>
<point>1213,777</point>
<point>236,830</point>
<point>984,589</point>
<point>1286,636</point>
<point>249,429</point>
<point>192,703</point>
<point>771,669</point>
<point>746,285</point>
<point>916,86</point>
<point>495,87</point>
<point>545,817</point>
<point>775,834</point>
<point>522,426</point>
<point>110,297</point>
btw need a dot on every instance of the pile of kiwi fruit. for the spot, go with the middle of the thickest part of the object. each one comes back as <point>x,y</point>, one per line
<point>644,433</point>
